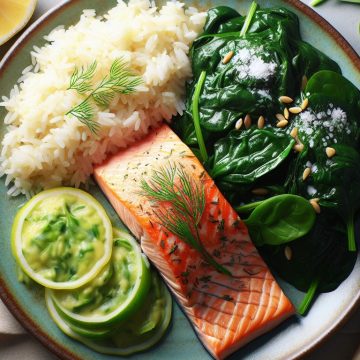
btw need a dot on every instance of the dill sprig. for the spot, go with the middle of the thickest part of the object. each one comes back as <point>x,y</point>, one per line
<point>186,201</point>
<point>85,113</point>
<point>81,79</point>
<point>120,80</point>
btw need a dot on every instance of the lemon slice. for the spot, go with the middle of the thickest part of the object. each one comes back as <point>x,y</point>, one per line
<point>14,15</point>
<point>62,238</point>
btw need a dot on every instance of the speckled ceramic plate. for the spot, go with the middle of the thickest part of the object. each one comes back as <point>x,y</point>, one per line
<point>291,339</point>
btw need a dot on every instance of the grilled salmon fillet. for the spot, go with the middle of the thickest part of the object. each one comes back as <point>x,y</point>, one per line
<point>225,311</point>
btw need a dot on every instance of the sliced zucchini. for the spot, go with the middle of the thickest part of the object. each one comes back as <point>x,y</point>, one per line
<point>115,294</point>
<point>138,333</point>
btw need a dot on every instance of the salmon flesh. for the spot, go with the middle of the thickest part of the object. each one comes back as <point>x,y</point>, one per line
<point>226,311</point>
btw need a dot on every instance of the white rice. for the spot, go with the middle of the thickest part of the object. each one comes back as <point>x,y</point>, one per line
<point>43,147</point>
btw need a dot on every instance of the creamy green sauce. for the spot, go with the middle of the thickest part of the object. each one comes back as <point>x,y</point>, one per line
<point>62,238</point>
<point>108,291</point>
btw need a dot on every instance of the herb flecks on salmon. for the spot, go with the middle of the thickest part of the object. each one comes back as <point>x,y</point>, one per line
<point>181,203</point>
<point>225,311</point>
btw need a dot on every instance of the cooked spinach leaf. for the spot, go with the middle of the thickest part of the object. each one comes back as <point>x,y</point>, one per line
<point>338,89</point>
<point>244,156</point>
<point>309,60</point>
<point>320,257</point>
<point>336,182</point>
<point>280,220</point>
<point>330,121</point>
<point>219,18</point>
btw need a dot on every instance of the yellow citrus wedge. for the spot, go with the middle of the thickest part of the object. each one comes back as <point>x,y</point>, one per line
<point>14,15</point>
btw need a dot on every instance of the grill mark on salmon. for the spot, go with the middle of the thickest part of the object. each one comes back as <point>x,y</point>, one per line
<point>256,303</point>
<point>225,311</point>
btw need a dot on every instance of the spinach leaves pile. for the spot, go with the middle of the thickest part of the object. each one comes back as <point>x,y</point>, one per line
<point>255,68</point>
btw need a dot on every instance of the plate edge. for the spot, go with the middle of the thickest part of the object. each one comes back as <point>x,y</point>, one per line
<point>6,295</point>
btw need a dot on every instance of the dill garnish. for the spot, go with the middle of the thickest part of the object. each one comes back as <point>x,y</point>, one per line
<point>81,79</point>
<point>120,80</point>
<point>186,199</point>
<point>84,112</point>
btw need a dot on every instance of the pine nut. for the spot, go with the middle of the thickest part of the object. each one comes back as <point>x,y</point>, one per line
<point>304,104</point>
<point>295,110</point>
<point>286,114</point>
<point>239,124</point>
<point>330,152</point>
<point>299,147</point>
<point>285,99</point>
<point>261,122</point>
<point>228,57</point>
<point>247,121</point>
<point>280,117</point>
<point>315,204</point>
<point>288,252</point>
<point>282,123</point>
<point>294,132</point>
<point>260,191</point>
<point>306,173</point>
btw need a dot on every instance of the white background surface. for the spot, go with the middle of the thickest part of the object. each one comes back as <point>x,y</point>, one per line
<point>341,346</point>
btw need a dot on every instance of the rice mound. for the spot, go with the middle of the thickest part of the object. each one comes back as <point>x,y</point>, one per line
<point>43,147</point>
